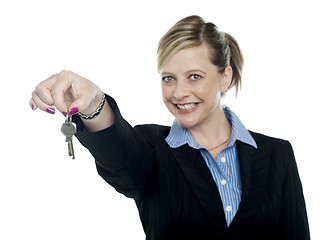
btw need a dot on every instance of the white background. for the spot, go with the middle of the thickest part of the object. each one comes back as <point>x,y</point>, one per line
<point>46,195</point>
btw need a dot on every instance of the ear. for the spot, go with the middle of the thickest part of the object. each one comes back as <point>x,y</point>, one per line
<point>226,79</point>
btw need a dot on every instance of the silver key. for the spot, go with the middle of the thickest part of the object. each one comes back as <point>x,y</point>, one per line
<point>69,129</point>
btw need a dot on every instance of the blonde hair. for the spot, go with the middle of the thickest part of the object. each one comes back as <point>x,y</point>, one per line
<point>193,31</point>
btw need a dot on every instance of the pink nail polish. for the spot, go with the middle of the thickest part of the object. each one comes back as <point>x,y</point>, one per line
<point>73,111</point>
<point>32,106</point>
<point>64,113</point>
<point>50,110</point>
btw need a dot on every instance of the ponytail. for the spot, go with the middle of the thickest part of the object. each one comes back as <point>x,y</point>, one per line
<point>236,62</point>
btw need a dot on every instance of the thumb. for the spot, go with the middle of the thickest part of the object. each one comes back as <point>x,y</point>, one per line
<point>87,103</point>
<point>60,92</point>
<point>78,105</point>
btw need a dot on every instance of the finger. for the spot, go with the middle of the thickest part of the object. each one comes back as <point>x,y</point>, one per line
<point>38,103</point>
<point>32,104</point>
<point>43,90</point>
<point>60,88</point>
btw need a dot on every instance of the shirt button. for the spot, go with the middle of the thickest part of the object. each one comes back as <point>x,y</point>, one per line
<point>223,182</point>
<point>223,159</point>
<point>228,208</point>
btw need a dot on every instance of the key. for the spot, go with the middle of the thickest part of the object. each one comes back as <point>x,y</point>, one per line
<point>69,129</point>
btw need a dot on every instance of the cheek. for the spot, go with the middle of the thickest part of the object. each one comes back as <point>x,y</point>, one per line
<point>165,93</point>
<point>211,95</point>
<point>206,92</point>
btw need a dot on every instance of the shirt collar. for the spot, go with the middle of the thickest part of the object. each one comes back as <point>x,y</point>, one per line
<point>179,135</point>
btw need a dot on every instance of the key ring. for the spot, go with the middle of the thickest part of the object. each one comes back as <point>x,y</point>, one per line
<point>68,117</point>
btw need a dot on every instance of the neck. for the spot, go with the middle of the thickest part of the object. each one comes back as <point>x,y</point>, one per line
<point>214,132</point>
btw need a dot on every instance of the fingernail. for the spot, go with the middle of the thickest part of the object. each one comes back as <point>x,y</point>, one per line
<point>73,110</point>
<point>64,113</point>
<point>32,106</point>
<point>50,110</point>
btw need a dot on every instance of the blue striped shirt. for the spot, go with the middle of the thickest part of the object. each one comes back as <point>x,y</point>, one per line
<point>225,169</point>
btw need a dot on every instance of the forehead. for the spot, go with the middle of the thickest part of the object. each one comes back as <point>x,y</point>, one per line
<point>189,58</point>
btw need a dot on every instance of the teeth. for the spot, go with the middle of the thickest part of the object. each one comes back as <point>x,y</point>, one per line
<point>187,106</point>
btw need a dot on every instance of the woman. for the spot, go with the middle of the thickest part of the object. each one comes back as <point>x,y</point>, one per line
<point>206,177</point>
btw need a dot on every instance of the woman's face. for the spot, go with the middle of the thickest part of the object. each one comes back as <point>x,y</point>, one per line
<point>192,86</point>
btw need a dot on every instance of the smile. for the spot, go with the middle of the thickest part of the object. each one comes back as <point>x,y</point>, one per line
<point>186,106</point>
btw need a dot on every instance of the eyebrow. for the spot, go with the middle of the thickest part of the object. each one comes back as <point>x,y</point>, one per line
<point>189,71</point>
<point>196,70</point>
<point>166,73</point>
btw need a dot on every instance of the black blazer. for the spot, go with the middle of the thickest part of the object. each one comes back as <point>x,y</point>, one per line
<point>177,197</point>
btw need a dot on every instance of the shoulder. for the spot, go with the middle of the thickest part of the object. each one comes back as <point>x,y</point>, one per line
<point>280,150</point>
<point>262,139</point>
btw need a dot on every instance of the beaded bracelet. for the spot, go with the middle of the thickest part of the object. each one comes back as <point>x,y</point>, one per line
<point>97,112</point>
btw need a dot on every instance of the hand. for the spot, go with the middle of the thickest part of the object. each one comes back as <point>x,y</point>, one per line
<point>66,91</point>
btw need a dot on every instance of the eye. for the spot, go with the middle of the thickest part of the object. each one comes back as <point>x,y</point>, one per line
<point>195,77</point>
<point>168,79</point>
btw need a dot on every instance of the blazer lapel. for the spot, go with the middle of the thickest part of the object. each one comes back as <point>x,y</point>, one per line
<point>202,184</point>
<point>254,169</point>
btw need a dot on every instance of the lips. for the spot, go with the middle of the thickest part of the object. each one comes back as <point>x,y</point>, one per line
<point>186,107</point>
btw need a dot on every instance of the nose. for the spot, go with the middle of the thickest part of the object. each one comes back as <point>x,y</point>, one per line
<point>181,90</point>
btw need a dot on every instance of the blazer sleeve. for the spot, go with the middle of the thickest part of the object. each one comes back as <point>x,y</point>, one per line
<point>123,158</point>
<point>294,220</point>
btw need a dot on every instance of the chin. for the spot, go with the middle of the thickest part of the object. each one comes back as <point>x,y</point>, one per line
<point>187,123</point>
